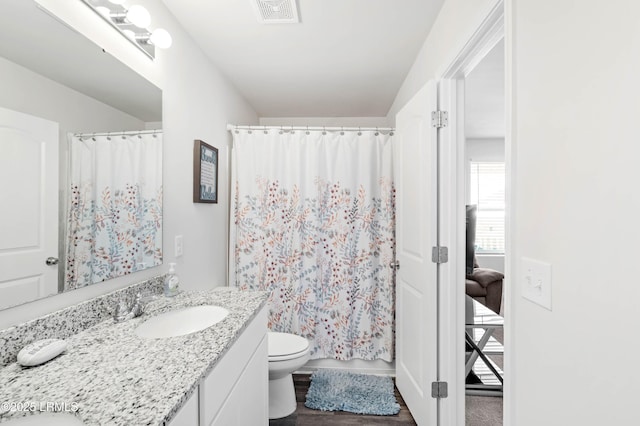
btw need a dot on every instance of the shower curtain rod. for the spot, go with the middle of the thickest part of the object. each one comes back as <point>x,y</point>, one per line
<point>130,132</point>
<point>315,128</point>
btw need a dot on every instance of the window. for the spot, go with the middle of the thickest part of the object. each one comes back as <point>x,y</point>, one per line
<point>487,188</point>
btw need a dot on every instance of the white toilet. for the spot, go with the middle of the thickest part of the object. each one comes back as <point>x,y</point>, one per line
<point>287,353</point>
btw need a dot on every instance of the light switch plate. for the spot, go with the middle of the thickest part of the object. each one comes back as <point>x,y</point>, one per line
<point>536,282</point>
<point>178,246</point>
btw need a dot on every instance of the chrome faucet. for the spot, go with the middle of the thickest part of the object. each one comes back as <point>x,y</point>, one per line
<point>125,311</point>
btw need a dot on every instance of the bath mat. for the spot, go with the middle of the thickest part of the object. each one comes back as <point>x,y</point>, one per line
<point>335,390</point>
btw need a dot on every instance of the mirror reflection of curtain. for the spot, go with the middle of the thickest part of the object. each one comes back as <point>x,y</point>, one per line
<point>314,220</point>
<point>114,225</point>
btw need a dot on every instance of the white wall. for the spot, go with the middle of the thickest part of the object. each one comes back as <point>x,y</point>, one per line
<point>31,93</point>
<point>456,22</point>
<point>576,127</point>
<point>198,102</point>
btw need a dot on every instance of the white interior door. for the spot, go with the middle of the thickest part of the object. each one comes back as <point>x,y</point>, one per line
<point>416,280</point>
<point>29,212</point>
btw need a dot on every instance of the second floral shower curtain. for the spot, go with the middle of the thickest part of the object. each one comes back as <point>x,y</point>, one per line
<point>114,224</point>
<point>313,223</point>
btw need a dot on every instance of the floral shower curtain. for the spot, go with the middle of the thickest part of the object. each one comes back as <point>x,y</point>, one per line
<point>313,224</point>
<point>114,224</point>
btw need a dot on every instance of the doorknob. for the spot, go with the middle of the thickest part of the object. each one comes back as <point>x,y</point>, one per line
<point>51,261</point>
<point>395,265</point>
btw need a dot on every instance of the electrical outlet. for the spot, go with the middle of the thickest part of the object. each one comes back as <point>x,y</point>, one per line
<point>536,282</point>
<point>178,246</point>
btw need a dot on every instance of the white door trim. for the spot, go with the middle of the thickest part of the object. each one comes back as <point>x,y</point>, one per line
<point>452,214</point>
<point>509,391</point>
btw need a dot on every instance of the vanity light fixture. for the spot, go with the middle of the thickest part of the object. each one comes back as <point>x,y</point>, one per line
<point>132,21</point>
<point>138,16</point>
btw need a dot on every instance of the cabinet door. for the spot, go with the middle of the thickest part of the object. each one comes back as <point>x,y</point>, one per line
<point>243,360</point>
<point>188,415</point>
<point>248,402</point>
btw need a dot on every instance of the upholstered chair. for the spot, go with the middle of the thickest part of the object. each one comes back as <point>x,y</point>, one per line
<point>485,285</point>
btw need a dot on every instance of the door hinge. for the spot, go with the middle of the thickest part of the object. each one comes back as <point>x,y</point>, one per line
<point>439,389</point>
<point>439,119</point>
<point>440,254</point>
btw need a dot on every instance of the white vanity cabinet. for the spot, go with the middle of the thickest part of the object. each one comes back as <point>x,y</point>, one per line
<point>236,391</point>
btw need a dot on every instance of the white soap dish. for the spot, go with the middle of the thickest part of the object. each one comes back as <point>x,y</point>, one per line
<point>41,351</point>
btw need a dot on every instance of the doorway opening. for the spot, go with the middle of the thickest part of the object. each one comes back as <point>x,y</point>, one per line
<point>479,160</point>
<point>484,194</point>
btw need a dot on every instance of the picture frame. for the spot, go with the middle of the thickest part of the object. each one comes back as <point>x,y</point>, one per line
<point>205,173</point>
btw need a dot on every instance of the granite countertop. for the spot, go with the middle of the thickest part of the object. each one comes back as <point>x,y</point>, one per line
<point>108,375</point>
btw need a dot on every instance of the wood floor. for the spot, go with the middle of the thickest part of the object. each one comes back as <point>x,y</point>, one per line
<point>304,416</point>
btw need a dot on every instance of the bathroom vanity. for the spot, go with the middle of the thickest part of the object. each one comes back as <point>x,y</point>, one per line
<point>110,375</point>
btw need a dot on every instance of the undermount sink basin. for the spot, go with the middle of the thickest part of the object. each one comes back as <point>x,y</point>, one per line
<point>181,321</point>
<point>49,419</point>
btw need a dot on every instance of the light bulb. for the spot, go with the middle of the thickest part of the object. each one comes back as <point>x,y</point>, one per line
<point>161,38</point>
<point>138,16</point>
<point>104,11</point>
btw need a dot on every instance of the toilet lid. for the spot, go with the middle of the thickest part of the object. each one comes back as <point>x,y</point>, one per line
<point>283,346</point>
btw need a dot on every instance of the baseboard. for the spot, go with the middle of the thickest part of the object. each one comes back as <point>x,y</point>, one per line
<point>378,367</point>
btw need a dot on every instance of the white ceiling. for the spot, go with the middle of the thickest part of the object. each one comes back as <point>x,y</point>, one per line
<point>484,97</point>
<point>346,58</point>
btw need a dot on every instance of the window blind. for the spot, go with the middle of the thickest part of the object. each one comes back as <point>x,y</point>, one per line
<point>487,189</point>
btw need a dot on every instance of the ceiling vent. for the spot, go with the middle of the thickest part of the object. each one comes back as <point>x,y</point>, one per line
<point>276,11</point>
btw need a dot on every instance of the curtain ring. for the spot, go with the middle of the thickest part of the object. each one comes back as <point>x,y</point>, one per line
<point>342,131</point>
<point>377,133</point>
<point>359,131</point>
<point>307,130</point>
<point>324,130</point>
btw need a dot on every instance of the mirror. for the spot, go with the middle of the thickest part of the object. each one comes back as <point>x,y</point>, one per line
<point>56,83</point>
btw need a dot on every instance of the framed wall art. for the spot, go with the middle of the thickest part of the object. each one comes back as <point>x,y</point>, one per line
<point>205,173</point>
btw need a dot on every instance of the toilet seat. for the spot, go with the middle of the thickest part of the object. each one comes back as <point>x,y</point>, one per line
<point>285,346</point>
